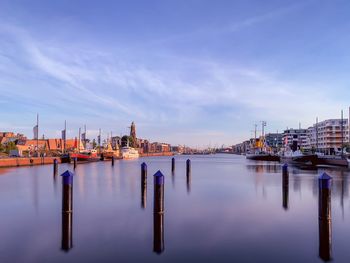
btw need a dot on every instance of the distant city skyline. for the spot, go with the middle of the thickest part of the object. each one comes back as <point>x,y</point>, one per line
<point>189,72</point>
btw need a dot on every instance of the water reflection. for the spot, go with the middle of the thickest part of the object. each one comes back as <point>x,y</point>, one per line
<point>264,168</point>
<point>67,211</point>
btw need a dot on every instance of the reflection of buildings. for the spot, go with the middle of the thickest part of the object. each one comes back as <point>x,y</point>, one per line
<point>264,168</point>
<point>325,221</point>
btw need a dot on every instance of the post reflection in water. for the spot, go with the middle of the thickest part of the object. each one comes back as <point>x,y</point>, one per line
<point>67,211</point>
<point>285,187</point>
<point>325,219</point>
<point>158,213</point>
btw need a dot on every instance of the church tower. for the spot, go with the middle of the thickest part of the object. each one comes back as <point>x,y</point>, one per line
<point>133,133</point>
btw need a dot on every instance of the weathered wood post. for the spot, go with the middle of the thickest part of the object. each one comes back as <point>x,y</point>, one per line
<point>75,159</point>
<point>285,186</point>
<point>143,185</point>
<point>158,213</point>
<point>325,217</point>
<point>173,165</point>
<point>188,167</point>
<point>55,167</point>
<point>112,160</point>
<point>67,210</point>
<point>188,175</point>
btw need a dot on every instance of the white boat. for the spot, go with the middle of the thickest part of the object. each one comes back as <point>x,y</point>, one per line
<point>129,153</point>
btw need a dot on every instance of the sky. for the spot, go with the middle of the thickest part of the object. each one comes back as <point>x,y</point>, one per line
<point>194,72</point>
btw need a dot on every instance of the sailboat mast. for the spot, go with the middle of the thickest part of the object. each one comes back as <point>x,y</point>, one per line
<point>342,133</point>
<point>37,137</point>
<point>316,134</point>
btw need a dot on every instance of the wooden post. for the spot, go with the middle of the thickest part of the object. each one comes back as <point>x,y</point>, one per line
<point>143,185</point>
<point>285,186</point>
<point>325,217</point>
<point>158,213</point>
<point>55,167</point>
<point>173,164</point>
<point>67,210</point>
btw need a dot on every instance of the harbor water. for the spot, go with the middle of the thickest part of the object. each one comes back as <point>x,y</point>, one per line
<point>226,209</point>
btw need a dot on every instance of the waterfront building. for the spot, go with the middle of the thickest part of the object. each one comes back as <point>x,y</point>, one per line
<point>328,136</point>
<point>300,134</point>
<point>274,140</point>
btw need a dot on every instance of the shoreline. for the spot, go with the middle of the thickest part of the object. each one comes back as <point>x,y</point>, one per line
<point>31,161</point>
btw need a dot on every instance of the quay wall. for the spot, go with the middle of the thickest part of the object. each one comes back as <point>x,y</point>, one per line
<point>156,154</point>
<point>13,162</point>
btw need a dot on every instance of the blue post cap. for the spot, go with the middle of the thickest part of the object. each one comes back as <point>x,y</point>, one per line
<point>158,178</point>
<point>188,161</point>
<point>67,177</point>
<point>143,165</point>
<point>55,161</point>
<point>325,181</point>
<point>285,167</point>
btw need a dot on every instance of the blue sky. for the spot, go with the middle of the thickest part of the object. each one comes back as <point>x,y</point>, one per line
<point>189,72</point>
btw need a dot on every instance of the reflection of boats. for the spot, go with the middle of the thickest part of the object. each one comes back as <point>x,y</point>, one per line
<point>129,153</point>
<point>298,157</point>
<point>262,156</point>
<point>85,156</point>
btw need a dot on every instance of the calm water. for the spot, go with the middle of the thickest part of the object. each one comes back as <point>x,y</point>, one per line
<point>231,210</point>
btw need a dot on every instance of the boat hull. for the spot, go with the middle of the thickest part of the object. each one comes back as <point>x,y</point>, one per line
<point>332,160</point>
<point>304,159</point>
<point>263,157</point>
<point>83,157</point>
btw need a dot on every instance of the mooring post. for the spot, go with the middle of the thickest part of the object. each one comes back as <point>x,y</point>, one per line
<point>143,185</point>
<point>188,167</point>
<point>67,210</point>
<point>75,159</point>
<point>112,160</point>
<point>285,186</point>
<point>158,213</point>
<point>173,164</point>
<point>55,167</point>
<point>325,217</point>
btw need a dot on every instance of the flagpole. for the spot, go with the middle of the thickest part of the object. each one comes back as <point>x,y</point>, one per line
<point>99,142</point>
<point>65,135</point>
<point>37,135</point>
<point>79,140</point>
<point>85,136</point>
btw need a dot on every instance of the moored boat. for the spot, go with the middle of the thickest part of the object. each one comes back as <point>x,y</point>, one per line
<point>333,160</point>
<point>297,157</point>
<point>85,156</point>
<point>129,153</point>
<point>263,157</point>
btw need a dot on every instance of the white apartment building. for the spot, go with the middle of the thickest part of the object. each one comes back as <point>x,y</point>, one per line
<point>301,135</point>
<point>327,136</point>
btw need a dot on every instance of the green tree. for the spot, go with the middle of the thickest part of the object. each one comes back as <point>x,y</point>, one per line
<point>10,146</point>
<point>2,148</point>
<point>125,140</point>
